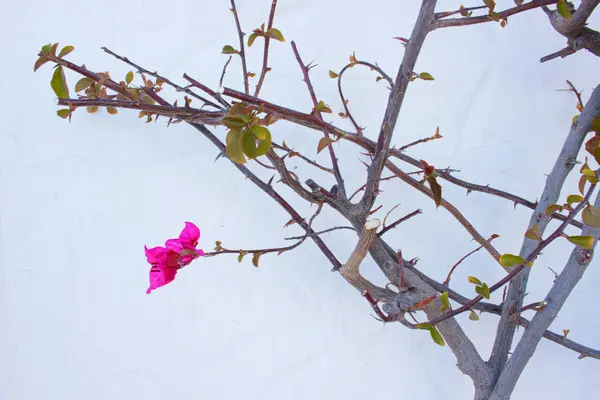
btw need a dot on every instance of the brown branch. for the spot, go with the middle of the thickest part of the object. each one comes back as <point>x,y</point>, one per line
<point>296,154</point>
<point>265,68</point>
<point>445,23</point>
<point>224,71</point>
<point>516,270</point>
<point>205,88</point>
<point>399,221</point>
<point>334,161</point>
<point>343,98</point>
<point>562,53</point>
<point>242,46</point>
<point>447,281</point>
<point>335,228</point>
<point>445,14</point>
<point>162,78</point>
<point>423,140</point>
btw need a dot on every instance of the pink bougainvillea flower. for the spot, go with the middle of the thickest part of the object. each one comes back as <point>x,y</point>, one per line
<point>177,253</point>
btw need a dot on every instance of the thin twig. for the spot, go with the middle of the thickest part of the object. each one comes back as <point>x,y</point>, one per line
<point>399,221</point>
<point>242,46</point>
<point>334,161</point>
<point>447,281</point>
<point>265,68</point>
<point>206,89</point>
<point>224,71</point>
<point>178,88</point>
<point>296,154</point>
<point>321,232</point>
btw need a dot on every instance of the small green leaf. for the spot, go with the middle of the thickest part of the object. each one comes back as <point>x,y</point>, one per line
<point>264,145</point>
<point>590,175</point>
<point>92,109</point>
<point>474,280</point>
<point>534,233</point>
<point>40,61</point>
<point>255,258</point>
<point>65,50</point>
<point>234,122</point>
<point>436,336</point>
<point>233,148</point>
<point>275,34</point>
<point>251,39</point>
<point>324,142</point>
<point>510,260</point>
<point>112,110</point>
<point>591,216</point>
<point>473,316</point>
<point>553,208</point>
<point>424,325</point>
<point>129,77</point>
<point>321,107</point>
<point>46,49</point>
<point>584,241</point>
<point>563,9</point>
<point>248,143</point>
<point>64,113</point>
<point>333,75</point>
<point>59,84</point>
<point>483,290</point>
<point>436,189</point>
<point>260,132</point>
<point>426,76</point>
<point>218,244</point>
<point>53,49</point>
<point>574,198</point>
<point>241,256</point>
<point>445,302</point>
<point>227,49</point>
<point>83,84</point>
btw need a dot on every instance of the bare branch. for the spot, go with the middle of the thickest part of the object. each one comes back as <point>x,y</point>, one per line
<point>242,46</point>
<point>447,281</point>
<point>265,67</point>
<point>398,222</point>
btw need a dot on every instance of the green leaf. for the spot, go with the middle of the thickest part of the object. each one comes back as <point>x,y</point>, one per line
<point>445,302</point>
<point>260,132</point>
<point>590,175</point>
<point>473,316</point>
<point>233,148</point>
<point>424,325</point>
<point>436,189</point>
<point>321,107</point>
<point>248,143</point>
<point>324,142</point>
<point>251,39</point>
<point>426,76</point>
<point>112,110</point>
<point>65,50</point>
<point>46,49</point>
<point>584,241</point>
<point>534,233</point>
<point>333,75</point>
<point>275,34</point>
<point>241,256</point>
<point>59,84</point>
<point>591,216</point>
<point>436,336</point>
<point>483,290</point>
<point>553,208</point>
<point>129,77</point>
<point>574,198</point>
<point>474,280</point>
<point>510,260</point>
<point>563,9</point>
<point>92,109</point>
<point>40,61</point>
<point>227,49</point>
<point>255,258</point>
<point>64,113</point>
<point>83,84</point>
<point>234,122</point>
<point>596,125</point>
<point>264,145</point>
<point>53,49</point>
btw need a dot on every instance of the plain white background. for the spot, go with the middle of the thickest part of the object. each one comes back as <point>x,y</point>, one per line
<point>79,201</point>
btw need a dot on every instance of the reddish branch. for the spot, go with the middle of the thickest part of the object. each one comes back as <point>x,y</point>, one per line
<point>447,281</point>
<point>334,161</point>
<point>242,46</point>
<point>445,23</point>
<point>292,153</point>
<point>265,68</point>
<point>398,222</point>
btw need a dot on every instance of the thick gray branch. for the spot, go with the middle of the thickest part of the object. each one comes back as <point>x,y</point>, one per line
<point>562,288</point>
<point>554,183</point>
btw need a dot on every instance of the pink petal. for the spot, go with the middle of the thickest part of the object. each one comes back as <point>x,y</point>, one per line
<point>189,235</point>
<point>174,245</point>
<point>155,255</point>
<point>160,277</point>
